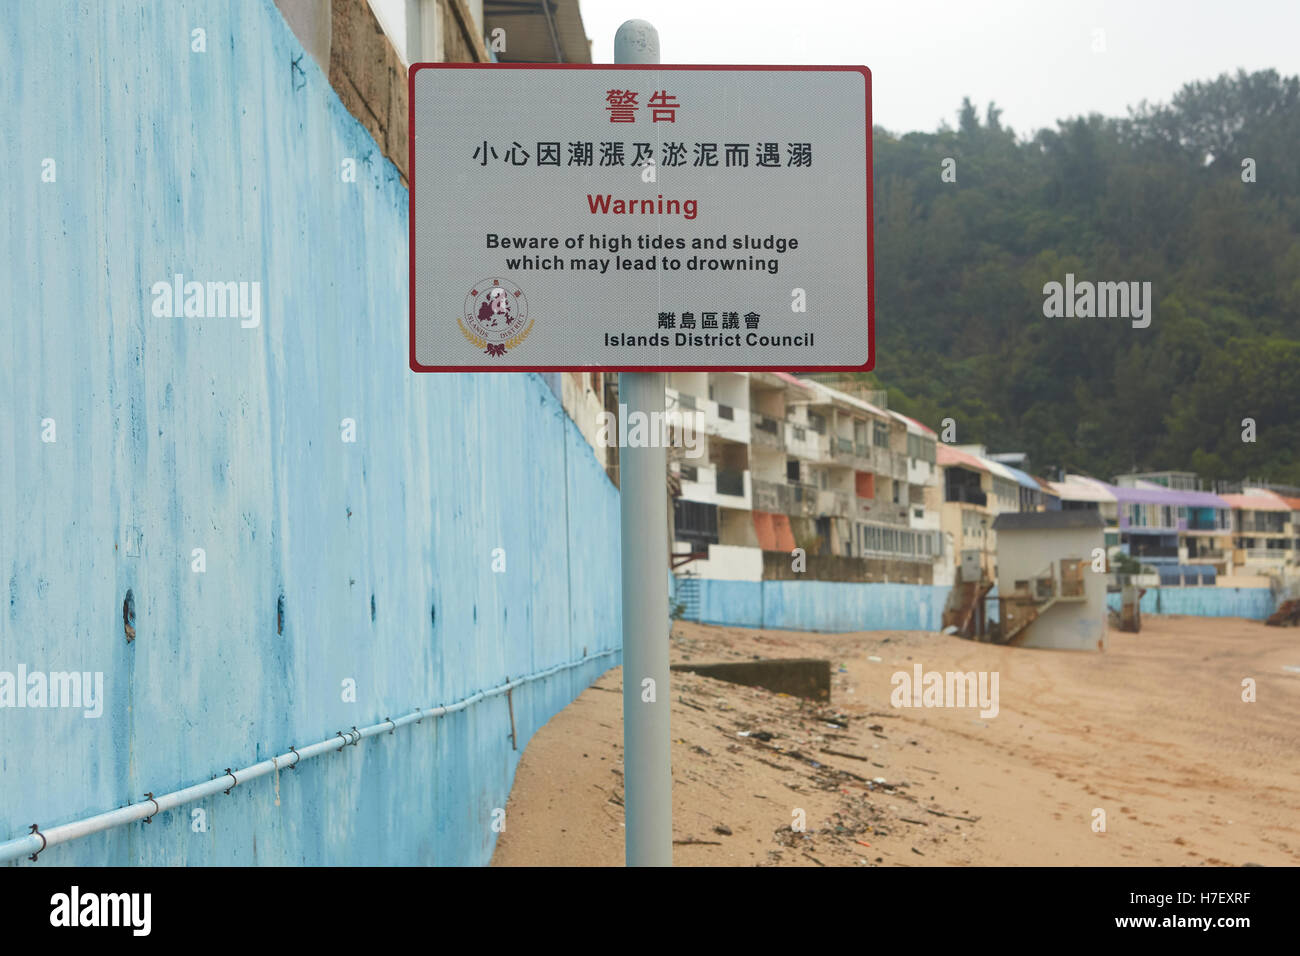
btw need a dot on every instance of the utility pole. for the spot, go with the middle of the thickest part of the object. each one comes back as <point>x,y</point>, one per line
<point>643,515</point>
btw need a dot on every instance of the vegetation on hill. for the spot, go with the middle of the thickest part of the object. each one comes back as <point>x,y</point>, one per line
<point>1155,197</point>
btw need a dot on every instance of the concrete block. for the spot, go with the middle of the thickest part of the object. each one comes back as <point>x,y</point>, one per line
<point>804,677</point>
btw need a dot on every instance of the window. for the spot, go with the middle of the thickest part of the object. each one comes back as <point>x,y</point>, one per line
<point>695,522</point>
<point>880,435</point>
<point>730,483</point>
<point>792,470</point>
<point>920,448</point>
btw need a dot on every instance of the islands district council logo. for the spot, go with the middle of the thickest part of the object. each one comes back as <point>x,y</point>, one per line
<point>495,316</point>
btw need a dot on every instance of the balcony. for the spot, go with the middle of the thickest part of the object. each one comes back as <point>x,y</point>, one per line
<point>766,432</point>
<point>881,510</point>
<point>844,452</point>
<point>885,462</point>
<point>835,504</point>
<point>1262,527</point>
<point>968,496</point>
<point>797,500</point>
<point>1269,555</point>
<point>710,484</point>
<point>708,416</point>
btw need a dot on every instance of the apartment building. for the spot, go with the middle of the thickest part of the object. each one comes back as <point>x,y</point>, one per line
<point>925,494</point>
<point>1162,526</point>
<point>712,517</point>
<point>1081,493</point>
<point>1033,496</point>
<point>1173,480</point>
<point>976,490</point>
<point>1264,530</point>
<point>791,463</point>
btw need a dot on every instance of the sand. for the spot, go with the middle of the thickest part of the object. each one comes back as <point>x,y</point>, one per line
<point>1154,732</point>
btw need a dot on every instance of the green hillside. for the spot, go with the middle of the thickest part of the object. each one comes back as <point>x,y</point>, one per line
<point>1156,197</point>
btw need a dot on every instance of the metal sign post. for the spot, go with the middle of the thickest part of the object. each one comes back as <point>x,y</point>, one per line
<point>643,518</point>
<point>641,218</point>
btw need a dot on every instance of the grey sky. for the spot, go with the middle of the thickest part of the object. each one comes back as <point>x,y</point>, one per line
<point>1035,59</point>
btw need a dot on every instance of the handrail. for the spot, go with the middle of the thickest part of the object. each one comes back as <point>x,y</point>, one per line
<point>38,841</point>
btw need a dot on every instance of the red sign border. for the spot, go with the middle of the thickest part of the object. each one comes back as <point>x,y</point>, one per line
<point>871,252</point>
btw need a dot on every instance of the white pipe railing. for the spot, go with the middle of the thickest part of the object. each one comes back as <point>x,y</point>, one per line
<point>36,842</point>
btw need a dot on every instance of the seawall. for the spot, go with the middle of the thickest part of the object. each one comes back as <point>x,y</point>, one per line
<point>342,581</point>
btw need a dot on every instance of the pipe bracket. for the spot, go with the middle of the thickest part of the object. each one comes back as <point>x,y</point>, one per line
<point>35,829</point>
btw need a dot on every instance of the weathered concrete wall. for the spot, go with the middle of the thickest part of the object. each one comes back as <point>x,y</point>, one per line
<point>778,566</point>
<point>1066,625</point>
<point>805,677</point>
<point>181,433</point>
<point>370,79</point>
<point>822,605</point>
<point>1254,603</point>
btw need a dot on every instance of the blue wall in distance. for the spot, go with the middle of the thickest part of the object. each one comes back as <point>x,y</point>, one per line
<point>1253,603</point>
<point>174,434</point>
<point>846,606</point>
<point>829,606</point>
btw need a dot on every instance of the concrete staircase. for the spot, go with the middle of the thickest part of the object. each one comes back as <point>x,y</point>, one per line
<point>1027,604</point>
<point>688,594</point>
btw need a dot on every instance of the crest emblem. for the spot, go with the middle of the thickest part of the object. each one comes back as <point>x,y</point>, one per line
<point>495,317</point>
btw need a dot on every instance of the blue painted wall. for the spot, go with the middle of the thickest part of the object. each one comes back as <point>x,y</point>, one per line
<point>1254,603</point>
<point>175,434</point>
<point>822,605</point>
<point>837,607</point>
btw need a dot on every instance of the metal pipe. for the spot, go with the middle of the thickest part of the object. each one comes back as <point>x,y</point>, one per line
<point>643,516</point>
<point>550,24</point>
<point>39,842</point>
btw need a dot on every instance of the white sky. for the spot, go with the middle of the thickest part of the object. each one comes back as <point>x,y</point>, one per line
<point>1034,58</point>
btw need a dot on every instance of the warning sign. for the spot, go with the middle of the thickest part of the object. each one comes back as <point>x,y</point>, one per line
<point>568,217</point>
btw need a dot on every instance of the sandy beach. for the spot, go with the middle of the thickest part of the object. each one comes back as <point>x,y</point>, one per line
<point>1154,732</point>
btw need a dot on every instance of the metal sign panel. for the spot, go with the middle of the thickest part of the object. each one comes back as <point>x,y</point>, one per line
<point>639,218</point>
